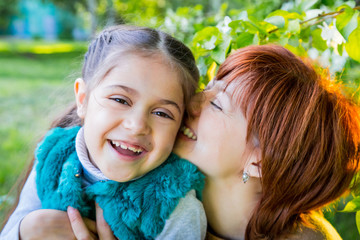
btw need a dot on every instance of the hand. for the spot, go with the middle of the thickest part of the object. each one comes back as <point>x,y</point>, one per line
<point>49,224</point>
<point>82,232</point>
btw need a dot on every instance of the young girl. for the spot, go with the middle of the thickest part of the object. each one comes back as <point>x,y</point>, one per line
<point>114,146</point>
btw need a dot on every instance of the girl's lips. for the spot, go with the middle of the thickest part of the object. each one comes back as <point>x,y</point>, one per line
<point>128,146</point>
<point>128,152</point>
<point>188,132</point>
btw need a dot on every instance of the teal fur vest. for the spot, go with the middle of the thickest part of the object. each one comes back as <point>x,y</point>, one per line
<point>134,210</point>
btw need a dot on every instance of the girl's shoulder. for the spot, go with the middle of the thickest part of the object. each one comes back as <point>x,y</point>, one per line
<point>321,229</point>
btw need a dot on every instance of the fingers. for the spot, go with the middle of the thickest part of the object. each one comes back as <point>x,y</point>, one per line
<point>46,224</point>
<point>91,225</point>
<point>78,226</point>
<point>103,229</point>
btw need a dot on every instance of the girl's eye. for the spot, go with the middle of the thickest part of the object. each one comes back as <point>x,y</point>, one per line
<point>215,105</point>
<point>120,100</point>
<point>164,115</point>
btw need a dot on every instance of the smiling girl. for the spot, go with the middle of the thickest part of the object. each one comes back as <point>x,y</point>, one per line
<point>114,147</point>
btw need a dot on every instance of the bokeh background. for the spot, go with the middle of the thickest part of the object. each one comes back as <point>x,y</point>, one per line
<point>42,43</point>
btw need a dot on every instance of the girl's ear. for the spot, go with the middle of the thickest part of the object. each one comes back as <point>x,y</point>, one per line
<point>80,96</point>
<point>253,166</point>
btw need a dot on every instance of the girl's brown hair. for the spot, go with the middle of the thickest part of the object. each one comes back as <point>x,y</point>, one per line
<point>308,133</point>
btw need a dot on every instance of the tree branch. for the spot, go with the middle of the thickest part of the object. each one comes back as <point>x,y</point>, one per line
<point>321,17</point>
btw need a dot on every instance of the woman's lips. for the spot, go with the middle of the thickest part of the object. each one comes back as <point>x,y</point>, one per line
<point>188,132</point>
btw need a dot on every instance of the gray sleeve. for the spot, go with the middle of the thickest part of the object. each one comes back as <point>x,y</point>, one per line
<point>187,221</point>
<point>28,202</point>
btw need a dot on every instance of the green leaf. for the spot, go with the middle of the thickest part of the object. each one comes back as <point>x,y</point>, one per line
<point>340,48</point>
<point>278,21</point>
<point>344,18</point>
<point>357,219</point>
<point>317,41</point>
<point>282,41</point>
<point>285,14</point>
<point>207,38</point>
<point>220,52</point>
<point>256,39</point>
<point>261,26</point>
<point>305,5</point>
<point>299,50</point>
<point>266,27</point>
<point>305,34</point>
<point>352,206</point>
<point>243,26</point>
<point>294,26</point>
<point>351,4</point>
<point>352,24</point>
<point>210,44</point>
<point>353,47</point>
<point>202,66</point>
<point>244,39</point>
<point>294,41</point>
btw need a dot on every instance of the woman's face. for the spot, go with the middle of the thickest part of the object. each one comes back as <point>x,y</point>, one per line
<point>215,139</point>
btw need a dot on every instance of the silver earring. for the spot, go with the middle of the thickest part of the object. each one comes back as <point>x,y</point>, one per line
<point>245,177</point>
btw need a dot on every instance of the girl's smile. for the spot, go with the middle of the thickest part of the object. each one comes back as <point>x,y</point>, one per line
<point>127,151</point>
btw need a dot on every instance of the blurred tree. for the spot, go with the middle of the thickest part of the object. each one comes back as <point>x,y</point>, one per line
<point>8,8</point>
<point>73,6</point>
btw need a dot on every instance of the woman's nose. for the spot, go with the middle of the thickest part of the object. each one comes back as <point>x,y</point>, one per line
<point>196,104</point>
<point>137,123</point>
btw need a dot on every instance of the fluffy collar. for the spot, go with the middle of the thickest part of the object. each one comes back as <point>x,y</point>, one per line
<point>134,210</point>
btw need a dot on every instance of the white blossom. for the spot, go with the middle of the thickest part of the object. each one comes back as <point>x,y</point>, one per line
<point>224,25</point>
<point>331,35</point>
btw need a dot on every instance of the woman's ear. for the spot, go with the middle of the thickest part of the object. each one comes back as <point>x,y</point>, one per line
<point>80,96</point>
<point>253,166</point>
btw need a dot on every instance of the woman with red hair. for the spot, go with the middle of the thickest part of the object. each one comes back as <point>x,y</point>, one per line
<point>276,141</point>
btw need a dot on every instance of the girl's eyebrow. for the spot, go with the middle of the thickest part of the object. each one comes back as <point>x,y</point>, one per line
<point>169,102</point>
<point>126,89</point>
<point>135,93</point>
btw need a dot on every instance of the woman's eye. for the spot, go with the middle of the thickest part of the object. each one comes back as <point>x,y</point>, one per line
<point>120,100</point>
<point>215,105</point>
<point>164,115</point>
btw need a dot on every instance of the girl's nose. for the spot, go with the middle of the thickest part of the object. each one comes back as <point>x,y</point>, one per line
<point>196,104</point>
<point>137,123</point>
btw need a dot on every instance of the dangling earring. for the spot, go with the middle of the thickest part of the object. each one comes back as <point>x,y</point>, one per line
<point>245,177</point>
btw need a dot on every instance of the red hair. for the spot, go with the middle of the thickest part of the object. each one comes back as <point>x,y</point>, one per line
<point>308,133</point>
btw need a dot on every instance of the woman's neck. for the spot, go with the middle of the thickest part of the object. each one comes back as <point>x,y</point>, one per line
<point>229,204</point>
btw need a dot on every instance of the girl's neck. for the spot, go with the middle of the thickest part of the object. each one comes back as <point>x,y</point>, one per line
<point>229,204</point>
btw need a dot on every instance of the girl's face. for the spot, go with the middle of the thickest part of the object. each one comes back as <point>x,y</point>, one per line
<point>132,117</point>
<point>219,148</point>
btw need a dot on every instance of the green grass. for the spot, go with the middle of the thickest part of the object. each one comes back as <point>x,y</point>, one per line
<point>34,90</point>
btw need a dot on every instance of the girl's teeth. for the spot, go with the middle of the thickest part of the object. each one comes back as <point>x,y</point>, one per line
<point>117,144</point>
<point>123,146</point>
